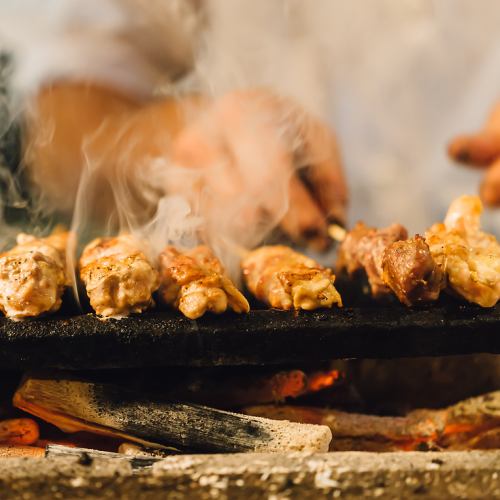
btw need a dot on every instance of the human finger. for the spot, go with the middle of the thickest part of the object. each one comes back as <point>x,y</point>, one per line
<point>477,150</point>
<point>490,187</point>
<point>324,174</point>
<point>304,221</point>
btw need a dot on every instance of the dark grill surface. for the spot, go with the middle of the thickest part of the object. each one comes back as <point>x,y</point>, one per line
<point>259,338</point>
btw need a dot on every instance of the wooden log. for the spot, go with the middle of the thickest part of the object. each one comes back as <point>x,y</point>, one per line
<point>79,405</point>
<point>87,456</point>
<point>469,424</point>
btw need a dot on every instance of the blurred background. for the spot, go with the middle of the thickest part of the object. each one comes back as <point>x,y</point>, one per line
<point>396,79</point>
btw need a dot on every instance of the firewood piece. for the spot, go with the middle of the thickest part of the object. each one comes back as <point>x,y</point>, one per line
<point>21,451</point>
<point>77,405</point>
<point>19,431</point>
<point>449,428</point>
<point>88,455</point>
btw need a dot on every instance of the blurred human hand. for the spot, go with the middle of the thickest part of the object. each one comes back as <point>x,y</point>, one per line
<point>252,150</point>
<point>251,141</point>
<point>482,150</point>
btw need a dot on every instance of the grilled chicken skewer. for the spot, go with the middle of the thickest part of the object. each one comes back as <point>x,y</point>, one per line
<point>363,249</point>
<point>469,257</point>
<point>411,272</point>
<point>285,279</point>
<point>392,262</point>
<point>32,275</point>
<point>118,277</point>
<point>195,282</point>
<point>455,255</point>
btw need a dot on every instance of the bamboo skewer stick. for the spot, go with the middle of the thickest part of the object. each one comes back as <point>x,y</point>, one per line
<point>88,455</point>
<point>336,232</point>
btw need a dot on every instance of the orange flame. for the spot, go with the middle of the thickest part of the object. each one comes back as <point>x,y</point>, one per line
<point>321,380</point>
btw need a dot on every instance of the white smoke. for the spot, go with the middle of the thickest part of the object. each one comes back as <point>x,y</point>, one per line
<point>395,78</point>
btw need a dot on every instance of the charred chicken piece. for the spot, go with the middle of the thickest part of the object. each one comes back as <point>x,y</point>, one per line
<point>469,257</point>
<point>411,273</point>
<point>285,279</point>
<point>118,276</point>
<point>195,282</point>
<point>32,275</point>
<point>364,248</point>
<point>349,258</point>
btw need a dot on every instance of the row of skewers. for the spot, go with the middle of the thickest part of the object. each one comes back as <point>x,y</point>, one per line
<point>120,279</point>
<point>454,255</point>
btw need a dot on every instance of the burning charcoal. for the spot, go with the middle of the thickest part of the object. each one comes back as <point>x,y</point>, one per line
<point>488,440</point>
<point>232,390</point>
<point>19,431</point>
<point>474,422</point>
<point>21,451</point>
<point>78,405</point>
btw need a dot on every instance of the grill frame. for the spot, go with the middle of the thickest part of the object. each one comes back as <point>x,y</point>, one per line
<point>262,337</point>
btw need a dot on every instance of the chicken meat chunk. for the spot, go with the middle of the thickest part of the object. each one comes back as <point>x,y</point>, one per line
<point>195,282</point>
<point>410,271</point>
<point>32,275</point>
<point>363,249</point>
<point>469,257</point>
<point>118,277</point>
<point>285,279</point>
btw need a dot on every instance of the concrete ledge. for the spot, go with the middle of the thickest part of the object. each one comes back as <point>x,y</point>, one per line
<point>254,476</point>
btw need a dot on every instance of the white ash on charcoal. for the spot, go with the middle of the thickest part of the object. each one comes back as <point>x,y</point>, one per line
<point>80,405</point>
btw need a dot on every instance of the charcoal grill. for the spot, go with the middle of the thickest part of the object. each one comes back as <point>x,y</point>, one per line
<point>262,337</point>
<point>80,341</point>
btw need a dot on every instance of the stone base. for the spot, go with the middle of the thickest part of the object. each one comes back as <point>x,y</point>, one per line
<point>437,475</point>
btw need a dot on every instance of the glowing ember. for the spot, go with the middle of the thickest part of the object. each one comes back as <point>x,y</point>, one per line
<point>321,380</point>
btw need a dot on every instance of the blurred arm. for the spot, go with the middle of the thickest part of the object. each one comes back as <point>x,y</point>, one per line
<point>70,122</point>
